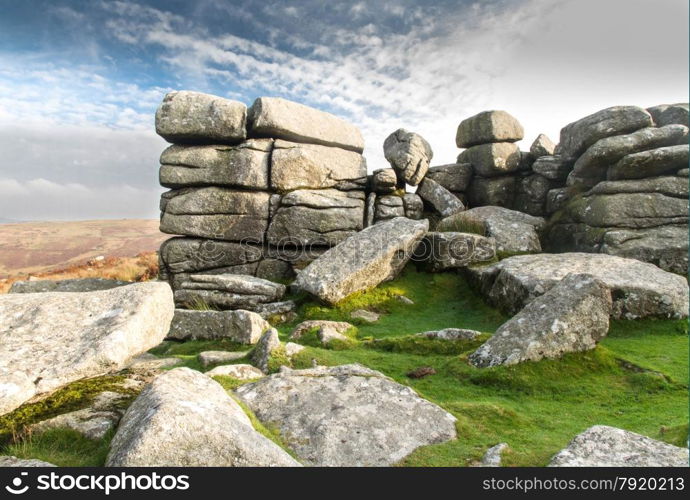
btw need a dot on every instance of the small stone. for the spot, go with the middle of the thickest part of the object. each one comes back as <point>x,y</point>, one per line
<point>240,372</point>
<point>208,358</point>
<point>439,198</point>
<point>363,314</point>
<point>292,349</point>
<point>492,457</point>
<point>421,372</point>
<point>306,326</point>
<point>261,354</point>
<point>384,181</point>
<point>451,334</point>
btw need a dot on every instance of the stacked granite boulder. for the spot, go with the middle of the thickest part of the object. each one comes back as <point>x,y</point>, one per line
<point>254,194</point>
<point>626,190</point>
<point>489,138</point>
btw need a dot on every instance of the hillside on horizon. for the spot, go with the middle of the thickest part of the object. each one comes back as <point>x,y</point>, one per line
<point>37,247</point>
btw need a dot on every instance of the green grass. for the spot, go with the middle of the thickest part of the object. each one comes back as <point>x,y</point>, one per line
<point>62,447</point>
<point>637,379</point>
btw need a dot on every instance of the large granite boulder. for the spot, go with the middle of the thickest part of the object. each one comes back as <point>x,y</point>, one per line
<point>364,260</point>
<point>70,285</point>
<point>217,213</point>
<point>227,291</point>
<point>48,340</point>
<point>553,167</point>
<point>604,446</point>
<point>492,191</point>
<point>384,181</point>
<point>639,290</point>
<point>439,198</point>
<point>486,127</point>
<point>414,206</point>
<point>531,192</point>
<point>629,210</point>
<point>570,317</point>
<point>245,165</point>
<point>542,146</point>
<point>346,415</point>
<point>650,163</point>
<point>310,166</point>
<point>193,117</point>
<point>490,160</point>
<point>455,177</point>
<point>576,137</point>
<point>240,326</point>
<point>453,250</point>
<point>591,167</point>
<point>514,232</point>
<point>388,207</point>
<point>316,217</point>
<point>283,119</point>
<point>663,246</point>
<point>186,419</point>
<point>667,114</point>
<point>409,154</point>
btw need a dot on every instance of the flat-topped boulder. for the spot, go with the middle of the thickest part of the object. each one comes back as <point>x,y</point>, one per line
<point>48,340</point>
<point>239,326</point>
<point>69,285</point>
<point>639,289</point>
<point>409,154</point>
<point>316,217</point>
<point>513,232</point>
<point>227,291</point>
<point>362,261</point>
<point>455,177</point>
<point>488,126</point>
<point>246,165</point>
<point>10,461</point>
<point>572,316</point>
<point>490,160</point>
<point>283,119</point>
<point>388,207</point>
<point>215,212</point>
<point>670,185</point>
<point>315,324</point>
<point>605,446</point>
<point>186,419</point>
<point>194,117</point>
<point>576,137</point>
<point>238,371</point>
<point>346,415</point>
<point>629,210</point>
<point>311,166</point>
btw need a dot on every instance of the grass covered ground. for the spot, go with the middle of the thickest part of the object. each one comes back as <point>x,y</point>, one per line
<point>637,379</point>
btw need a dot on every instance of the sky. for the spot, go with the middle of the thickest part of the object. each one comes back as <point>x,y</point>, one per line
<point>80,81</point>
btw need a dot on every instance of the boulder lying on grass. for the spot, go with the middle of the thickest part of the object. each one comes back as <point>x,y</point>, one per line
<point>639,290</point>
<point>186,419</point>
<point>347,415</point>
<point>571,317</point>
<point>48,340</point>
<point>604,446</point>
<point>364,260</point>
